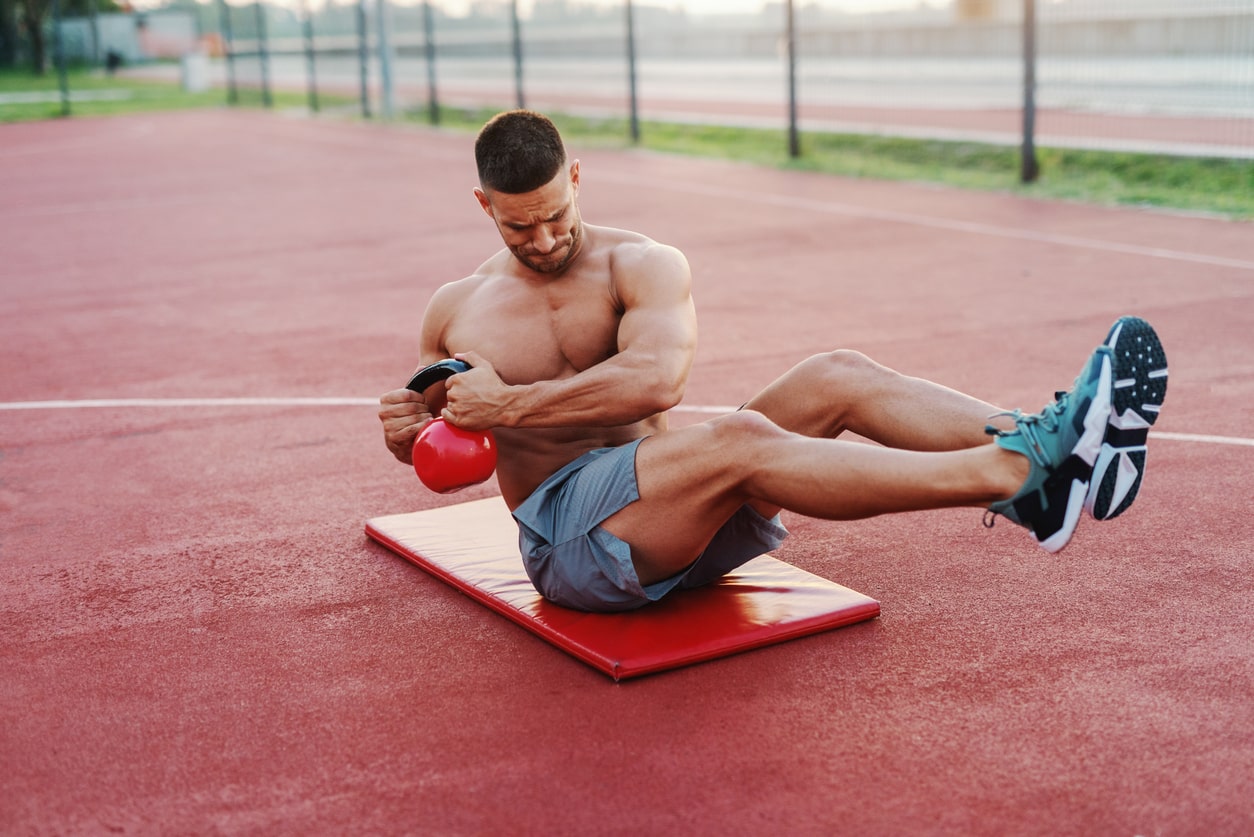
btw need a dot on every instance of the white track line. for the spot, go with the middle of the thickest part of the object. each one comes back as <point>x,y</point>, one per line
<point>1201,437</point>
<point>127,403</point>
<point>949,224</point>
<point>711,409</point>
<point>632,178</point>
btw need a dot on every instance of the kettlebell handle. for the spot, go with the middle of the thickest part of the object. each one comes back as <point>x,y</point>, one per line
<point>436,372</point>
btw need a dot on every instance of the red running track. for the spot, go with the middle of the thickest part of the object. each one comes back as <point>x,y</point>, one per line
<point>198,637</point>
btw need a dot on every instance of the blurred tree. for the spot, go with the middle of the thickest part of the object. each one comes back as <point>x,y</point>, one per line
<point>83,8</point>
<point>32,19</point>
<point>8,33</point>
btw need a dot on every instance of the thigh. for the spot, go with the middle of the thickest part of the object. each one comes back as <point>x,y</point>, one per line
<point>689,482</point>
<point>741,539</point>
<point>831,393</point>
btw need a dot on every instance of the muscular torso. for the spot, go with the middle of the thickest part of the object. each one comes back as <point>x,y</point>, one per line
<point>533,328</point>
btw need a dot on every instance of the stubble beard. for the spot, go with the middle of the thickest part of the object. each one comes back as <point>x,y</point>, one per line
<point>576,237</point>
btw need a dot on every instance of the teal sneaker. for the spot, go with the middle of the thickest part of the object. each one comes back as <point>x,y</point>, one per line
<point>1062,443</point>
<point>1140,376</point>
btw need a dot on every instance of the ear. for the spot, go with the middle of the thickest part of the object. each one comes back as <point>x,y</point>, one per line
<point>574,176</point>
<point>484,203</point>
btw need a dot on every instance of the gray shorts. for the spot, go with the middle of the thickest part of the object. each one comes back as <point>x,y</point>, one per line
<point>572,561</point>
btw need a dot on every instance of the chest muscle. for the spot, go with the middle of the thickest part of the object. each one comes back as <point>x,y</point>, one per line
<point>538,335</point>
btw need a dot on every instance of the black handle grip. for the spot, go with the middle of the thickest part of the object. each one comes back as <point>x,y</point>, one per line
<point>439,371</point>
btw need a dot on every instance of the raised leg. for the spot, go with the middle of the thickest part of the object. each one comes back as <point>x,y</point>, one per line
<point>827,394</point>
<point>692,479</point>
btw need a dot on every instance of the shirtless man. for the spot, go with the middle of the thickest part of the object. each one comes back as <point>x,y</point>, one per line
<point>580,339</point>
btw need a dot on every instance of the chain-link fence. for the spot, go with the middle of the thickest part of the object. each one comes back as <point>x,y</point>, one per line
<point>1142,75</point>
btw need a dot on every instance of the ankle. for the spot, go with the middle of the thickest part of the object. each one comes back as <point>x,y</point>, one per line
<point>1010,472</point>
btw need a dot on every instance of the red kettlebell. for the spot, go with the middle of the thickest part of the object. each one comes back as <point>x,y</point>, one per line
<point>447,458</point>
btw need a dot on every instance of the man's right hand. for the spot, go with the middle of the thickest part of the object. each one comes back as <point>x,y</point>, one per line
<point>404,414</point>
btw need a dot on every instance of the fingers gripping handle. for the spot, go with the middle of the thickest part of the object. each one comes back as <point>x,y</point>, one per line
<point>436,372</point>
<point>447,458</point>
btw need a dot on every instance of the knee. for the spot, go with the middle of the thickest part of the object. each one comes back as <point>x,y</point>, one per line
<point>846,361</point>
<point>740,431</point>
<point>845,370</point>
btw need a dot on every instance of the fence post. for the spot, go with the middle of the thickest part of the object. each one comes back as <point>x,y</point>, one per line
<point>363,58</point>
<point>263,53</point>
<point>387,96</point>
<point>58,56</point>
<point>95,32</point>
<point>433,100</point>
<point>631,74</point>
<point>1029,167</point>
<point>228,48</point>
<point>518,68</point>
<point>310,63</point>
<point>794,141</point>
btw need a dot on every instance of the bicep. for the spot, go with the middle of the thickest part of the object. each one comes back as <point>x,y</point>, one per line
<point>435,321</point>
<point>431,348</point>
<point>659,319</point>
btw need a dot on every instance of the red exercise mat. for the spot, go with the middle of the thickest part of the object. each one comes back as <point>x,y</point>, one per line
<point>474,547</point>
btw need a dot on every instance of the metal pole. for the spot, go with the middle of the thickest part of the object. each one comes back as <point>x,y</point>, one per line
<point>388,98</point>
<point>228,48</point>
<point>1029,167</point>
<point>428,25</point>
<point>95,31</point>
<point>631,74</point>
<point>363,58</point>
<point>518,67</point>
<point>58,55</point>
<point>310,63</point>
<point>263,52</point>
<point>794,141</point>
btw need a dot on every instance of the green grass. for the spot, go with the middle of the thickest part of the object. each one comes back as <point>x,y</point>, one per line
<point>131,96</point>
<point>121,96</point>
<point>1223,187</point>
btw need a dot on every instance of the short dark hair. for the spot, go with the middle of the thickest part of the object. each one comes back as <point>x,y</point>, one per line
<point>518,151</point>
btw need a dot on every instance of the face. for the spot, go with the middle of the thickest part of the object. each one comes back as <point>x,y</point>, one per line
<point>541,228</point>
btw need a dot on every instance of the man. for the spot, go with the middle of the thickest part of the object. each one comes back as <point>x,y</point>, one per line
<point>580,338</point>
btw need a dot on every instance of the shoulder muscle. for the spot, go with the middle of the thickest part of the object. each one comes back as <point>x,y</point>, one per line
<point>648,272</point>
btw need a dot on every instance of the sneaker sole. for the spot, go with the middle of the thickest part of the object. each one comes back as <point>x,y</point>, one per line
<point>1087,450</point>
<point>1071,519</point>
<point>1140,387</point>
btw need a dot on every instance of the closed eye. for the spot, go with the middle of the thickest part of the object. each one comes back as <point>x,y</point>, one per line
<point>518,226</point>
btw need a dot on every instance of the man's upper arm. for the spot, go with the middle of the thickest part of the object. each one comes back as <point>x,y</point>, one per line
<point>659,324</point>
<point>435,320</point>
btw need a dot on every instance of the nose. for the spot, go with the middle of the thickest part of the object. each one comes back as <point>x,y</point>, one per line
<point>544,241</point>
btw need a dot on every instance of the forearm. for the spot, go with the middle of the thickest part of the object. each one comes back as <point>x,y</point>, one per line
<point>621,390</point>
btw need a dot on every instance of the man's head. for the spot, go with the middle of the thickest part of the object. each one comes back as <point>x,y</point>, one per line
<point>518,151</point>
<point>527,189</point>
